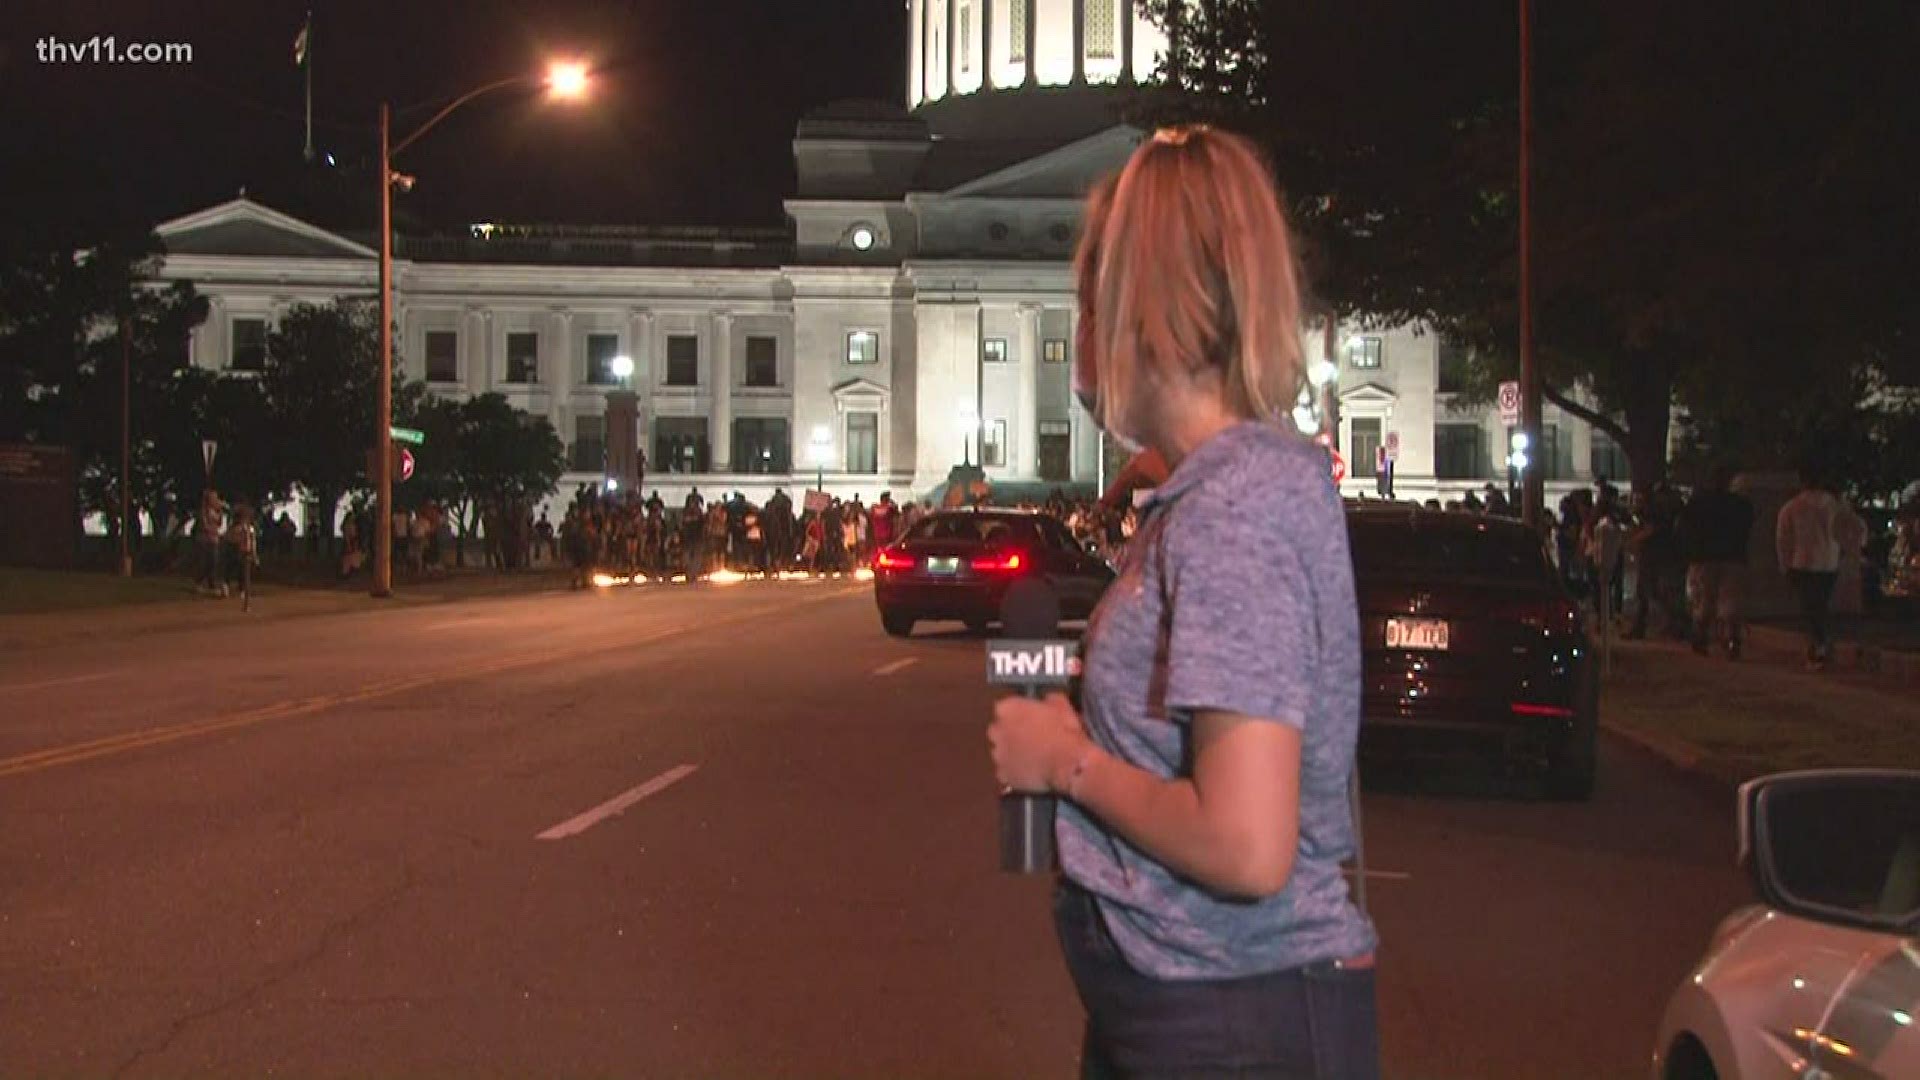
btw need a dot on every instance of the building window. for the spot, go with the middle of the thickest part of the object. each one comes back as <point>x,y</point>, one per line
<point>443,356</point>
<point>680,444</point>
<point>601,349</point>
<point>589,452</point>
<point>1366,445</point>
<point>863,347</point>
<point>1363,353</point>
<point>249,345</point>
<point>1055,450</point>
<point>683,360</point>
<point>763,363</point>
<point>994,350</point>
<point>1054,351</point>
<point>762,446</point>
<point>1017,30</point>
<point>1454,371</point>
<point>863,442</point>
<point>1608,459</point>
<point>1100,30</point>
<point>994,452</point>
<point>523,357</point>
<point>1556,453</point>
<point>966,37</point>
<point>1460,452</point>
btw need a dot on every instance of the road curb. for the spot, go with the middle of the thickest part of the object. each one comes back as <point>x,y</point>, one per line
<point>1714,774</point>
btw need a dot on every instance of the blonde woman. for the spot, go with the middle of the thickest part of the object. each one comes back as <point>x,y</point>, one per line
<point>1204,811</point>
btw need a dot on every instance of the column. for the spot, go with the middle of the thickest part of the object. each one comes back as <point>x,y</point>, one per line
<point>479,335</point>
<point>1126,42</point>
<point>916,52</point>
<point>986,44</point>
<point>1086,432</point>
<point>640,349</point>
<point>1033,38</point>
<point>557,374</point>
<point>953,25</point>
<point>1026,424</point>
<point>214,350</point>
<point>1079,42</point>
<point>720,424</point>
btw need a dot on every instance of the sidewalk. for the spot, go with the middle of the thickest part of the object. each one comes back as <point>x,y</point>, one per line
<point>191,610</point>
<point>1729,722</point>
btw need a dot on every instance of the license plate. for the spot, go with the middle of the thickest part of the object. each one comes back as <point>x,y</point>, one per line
<point>1426,634</point>
<point>949,565</point>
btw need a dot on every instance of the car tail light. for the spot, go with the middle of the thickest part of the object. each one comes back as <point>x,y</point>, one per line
<point>999,562</point>
<point>891,559</point>
<point>1550,712</point>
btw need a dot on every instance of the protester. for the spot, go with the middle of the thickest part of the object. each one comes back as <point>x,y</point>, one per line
<point>209,528</point>
<point>1805,540</point>
<point>1204,806</point>
<point>1714,532</point>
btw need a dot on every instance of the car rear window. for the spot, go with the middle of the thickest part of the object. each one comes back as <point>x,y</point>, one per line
<point>974,528</point>
<point>1401,547</point>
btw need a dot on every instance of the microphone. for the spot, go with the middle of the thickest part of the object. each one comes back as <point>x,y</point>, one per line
<point>1033,660</point>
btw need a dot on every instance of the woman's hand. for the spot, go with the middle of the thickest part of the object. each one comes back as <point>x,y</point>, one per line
<point>1035,742</point>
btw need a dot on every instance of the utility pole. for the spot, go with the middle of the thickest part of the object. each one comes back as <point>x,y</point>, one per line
<point>383,418</point>
<point>1532,479</point>
<point>126,443</point>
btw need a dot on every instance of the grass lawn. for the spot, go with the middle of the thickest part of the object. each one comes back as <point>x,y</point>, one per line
<point>1759,718</point>
<point>29,592</point>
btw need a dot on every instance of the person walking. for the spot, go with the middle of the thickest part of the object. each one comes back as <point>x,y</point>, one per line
<point>1806,541</point>
<point>1204,782</point>
<point>1714,532</point>
<point>209,531</point>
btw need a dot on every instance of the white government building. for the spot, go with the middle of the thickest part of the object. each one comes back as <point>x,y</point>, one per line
<point>917,308</point>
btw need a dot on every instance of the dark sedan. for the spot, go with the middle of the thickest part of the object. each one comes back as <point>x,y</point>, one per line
<point>1470,640</point>
<point>958,565</point>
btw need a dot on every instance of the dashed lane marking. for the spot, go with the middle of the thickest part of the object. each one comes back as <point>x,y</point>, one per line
<point>45,683</point>
<point>897,665</point>
<point>617,805</point>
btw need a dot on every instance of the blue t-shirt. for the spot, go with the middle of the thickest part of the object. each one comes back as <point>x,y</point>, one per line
<point>1236,595</point>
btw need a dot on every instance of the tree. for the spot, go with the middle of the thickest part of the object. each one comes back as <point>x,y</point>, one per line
<point>1701,224</point>
<point>508,458</point>
<point>62,315</point>
<point>322,369</point>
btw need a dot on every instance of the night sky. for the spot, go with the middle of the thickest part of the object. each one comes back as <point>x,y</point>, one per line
<point>690,122</point>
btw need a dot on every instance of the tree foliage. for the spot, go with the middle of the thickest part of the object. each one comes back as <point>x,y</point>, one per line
<point>1723,218</point>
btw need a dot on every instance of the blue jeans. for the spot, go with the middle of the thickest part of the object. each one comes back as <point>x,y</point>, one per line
<point>1309,1023</point>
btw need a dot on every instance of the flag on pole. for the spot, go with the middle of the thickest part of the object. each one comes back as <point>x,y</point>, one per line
<point>300,57</point>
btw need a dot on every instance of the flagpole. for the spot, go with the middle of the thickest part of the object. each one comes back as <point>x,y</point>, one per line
<point>308,64</point>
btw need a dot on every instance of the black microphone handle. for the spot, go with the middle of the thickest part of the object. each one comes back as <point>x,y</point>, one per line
<point>1026,822</point>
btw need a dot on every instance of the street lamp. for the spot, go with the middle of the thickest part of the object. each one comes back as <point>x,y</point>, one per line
<point>819,452</point>
<point>622,368</point>
<point>566,81</point>
<point>969,423</point>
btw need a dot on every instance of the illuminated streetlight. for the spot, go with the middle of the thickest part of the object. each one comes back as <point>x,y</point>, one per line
<point>567,79</point>
<point>819,452</point>
<point>1322,372</point>
<point>622,367</point>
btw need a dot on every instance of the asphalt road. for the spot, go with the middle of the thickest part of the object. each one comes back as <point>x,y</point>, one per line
<point>705,831</point>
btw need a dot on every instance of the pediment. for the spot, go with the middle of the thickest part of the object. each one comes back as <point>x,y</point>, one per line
<point>1368,394</point>
<point>860,391</point>
<point>243,227</point>
<point>1065,173</point>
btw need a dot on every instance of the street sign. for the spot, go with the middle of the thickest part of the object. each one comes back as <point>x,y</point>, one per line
<point>407,435</point>
<point>1392,447</point>
<point>1510,404</point>
<point>817,502</point>
<point>406,464</point>
<point>208,448</point>
<point>1339,465</point>
<point>1380,459</point>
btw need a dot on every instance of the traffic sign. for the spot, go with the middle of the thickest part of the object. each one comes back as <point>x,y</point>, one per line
<point>1380,459</point>
<point>407,435</point>
<point>208,448</point>
<point>1392,447</point>
<point>1339,465</point>
<point>1510,404</point>
<point>406,464</point>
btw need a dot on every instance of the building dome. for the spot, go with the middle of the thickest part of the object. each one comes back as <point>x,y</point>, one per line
<point>959,49</point>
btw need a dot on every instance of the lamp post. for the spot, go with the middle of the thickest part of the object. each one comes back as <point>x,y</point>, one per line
<point>969,425</point>
<point>819,450</point>
<point>563,80</point>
